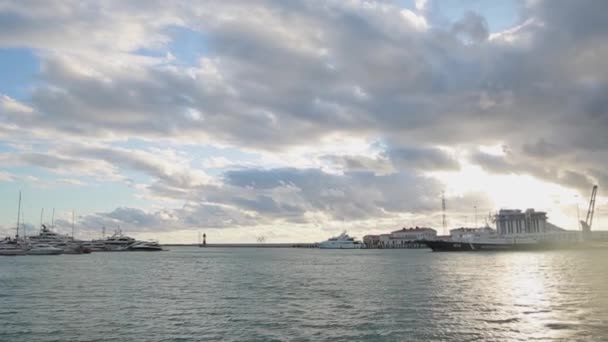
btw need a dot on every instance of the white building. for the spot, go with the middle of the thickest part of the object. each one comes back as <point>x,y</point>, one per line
<point>402,238</point>
<point>515,222</point>
<point>414,234</point>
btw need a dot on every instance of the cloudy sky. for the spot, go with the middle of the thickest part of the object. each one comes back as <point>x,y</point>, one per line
<point>295,120</point>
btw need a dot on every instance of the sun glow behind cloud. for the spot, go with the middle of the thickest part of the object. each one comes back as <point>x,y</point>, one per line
<point>514,191</point>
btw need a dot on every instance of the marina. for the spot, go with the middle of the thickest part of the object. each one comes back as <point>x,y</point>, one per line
<point>515,230</point>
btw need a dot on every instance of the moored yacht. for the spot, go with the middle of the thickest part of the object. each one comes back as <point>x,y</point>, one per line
<point>49,237</point>
<point>117,242</point>
<point>44,249</point>
<point>342,241</point>
<point>145,246</point>
<point>95,245</point>
<point>9,247</point>
<point>65,242</point>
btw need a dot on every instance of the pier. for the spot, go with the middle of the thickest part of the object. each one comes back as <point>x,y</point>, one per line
<point>250,245</point>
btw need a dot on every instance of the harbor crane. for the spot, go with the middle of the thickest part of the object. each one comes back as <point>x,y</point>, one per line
<point>589,218</point>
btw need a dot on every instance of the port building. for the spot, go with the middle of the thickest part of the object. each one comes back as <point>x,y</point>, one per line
<point>402,238</point>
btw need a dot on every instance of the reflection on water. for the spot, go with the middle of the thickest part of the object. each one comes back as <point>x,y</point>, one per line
<point>292,294</point>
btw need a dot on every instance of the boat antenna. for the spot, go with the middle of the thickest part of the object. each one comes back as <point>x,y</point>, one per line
<point>53,219</point>
<point>72,224</point>
<point>443,221</point>
<point>18,215</point>
<point>41,215</point>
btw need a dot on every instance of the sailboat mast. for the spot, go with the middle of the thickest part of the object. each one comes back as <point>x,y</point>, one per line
<point>18,215</point>
<point>23,223</point>
<point>41,216</point>
<point>72,224</point>
<point>53,219</point>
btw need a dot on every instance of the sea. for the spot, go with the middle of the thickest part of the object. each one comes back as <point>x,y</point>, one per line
<point>292,294</point>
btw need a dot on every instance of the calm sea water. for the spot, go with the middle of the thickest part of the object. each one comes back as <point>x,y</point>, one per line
<point>190,294</point>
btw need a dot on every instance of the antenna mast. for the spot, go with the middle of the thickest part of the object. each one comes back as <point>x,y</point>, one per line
<point>443,221</point>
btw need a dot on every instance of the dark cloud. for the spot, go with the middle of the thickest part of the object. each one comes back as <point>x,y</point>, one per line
<point>419,158</point>
<point>543,149</point>
<point>354,195</point>
<point>472,26</point>
<point>349,163</point>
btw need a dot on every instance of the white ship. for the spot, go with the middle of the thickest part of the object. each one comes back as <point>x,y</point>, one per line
<point>516,230</point>
<point>342,241</point>
<point>521,230</point>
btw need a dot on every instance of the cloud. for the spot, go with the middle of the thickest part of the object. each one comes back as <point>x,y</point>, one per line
<point>349,163</point>
<point>472,26</point>
<point>6,177</point>
<point>552,172</point>
<point>280,79</point>
<point>420,158</point>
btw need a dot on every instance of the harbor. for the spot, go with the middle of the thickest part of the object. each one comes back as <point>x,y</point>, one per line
<point>515,229</point>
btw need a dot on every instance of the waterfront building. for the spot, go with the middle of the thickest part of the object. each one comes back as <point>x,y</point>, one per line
<point>371,241</point>
<point>402,238</point>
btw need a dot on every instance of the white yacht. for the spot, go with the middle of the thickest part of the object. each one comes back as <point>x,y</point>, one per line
<point>48,236</point>
<point>44,249</point>
<point>342,241</point>
<point>148,246</point>
<point>117,242</point>
<point>67,243</point>
<point>95,245</point>
<point>10,247</point>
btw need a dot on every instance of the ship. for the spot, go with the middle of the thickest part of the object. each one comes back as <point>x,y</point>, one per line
<point>515,230</point>
<point>342,241</point>
<point>522,230</point>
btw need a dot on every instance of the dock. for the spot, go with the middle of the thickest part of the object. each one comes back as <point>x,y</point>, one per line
<point>249,245</point>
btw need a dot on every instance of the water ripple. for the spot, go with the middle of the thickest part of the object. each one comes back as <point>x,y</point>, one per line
<point>191,294</point>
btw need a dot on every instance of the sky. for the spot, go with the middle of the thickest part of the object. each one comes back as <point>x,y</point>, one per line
<point>295,120</point>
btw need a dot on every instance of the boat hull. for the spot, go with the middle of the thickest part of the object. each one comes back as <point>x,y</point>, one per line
<point>12,252</point>
<point>146,249</point>
<point>340,246</point>
<point>460,246</point>
<point>45,251</point>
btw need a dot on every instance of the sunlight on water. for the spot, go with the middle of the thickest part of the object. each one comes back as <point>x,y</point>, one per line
<point>292,294</point>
